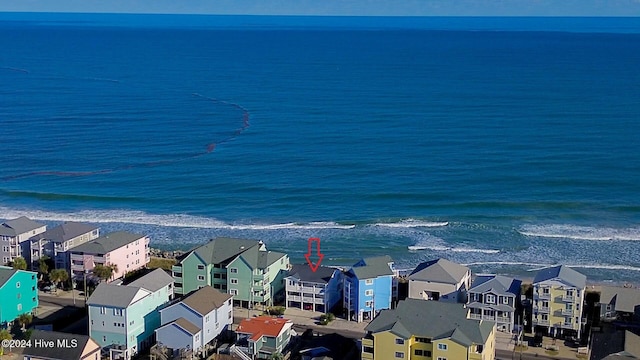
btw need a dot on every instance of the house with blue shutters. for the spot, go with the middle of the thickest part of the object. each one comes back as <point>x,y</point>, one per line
<point>369,286</point>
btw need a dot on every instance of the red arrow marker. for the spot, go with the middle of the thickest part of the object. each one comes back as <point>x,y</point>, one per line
<point>314,267</point>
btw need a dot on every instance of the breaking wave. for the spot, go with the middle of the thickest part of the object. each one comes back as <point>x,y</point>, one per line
<point>412,223</point>
<point>560,231</point>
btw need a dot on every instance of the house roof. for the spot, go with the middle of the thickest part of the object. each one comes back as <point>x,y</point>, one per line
<point>258,258</point>
<point>631,348</point>
<point>120,296</point>
<point>564,273</point>
<point>497,284</point>
<point>431,319</point>
<point>57,352</point>
<point>153,281</point>
<point>221,249</point>
<point>205,300</point>
<point>261,326</point>
<point>65,231</point>
<point>187,325</point>
<point>5,274</point>
<point>304,273</point>
<point>107,243</point>
<point>625,299</point>
<point>440,271</point>
<point>19,226</point>
<point>372,267</point>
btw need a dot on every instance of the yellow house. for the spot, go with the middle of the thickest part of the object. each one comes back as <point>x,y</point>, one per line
<point>426,330</point>
<point>558,295</point>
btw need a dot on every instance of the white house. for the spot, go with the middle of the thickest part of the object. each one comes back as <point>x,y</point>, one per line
<point>441,280</point>
<point>13,235</point>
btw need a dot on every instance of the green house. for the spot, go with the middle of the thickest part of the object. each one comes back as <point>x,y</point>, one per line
<point>240,267</point>
<point>19,294</point>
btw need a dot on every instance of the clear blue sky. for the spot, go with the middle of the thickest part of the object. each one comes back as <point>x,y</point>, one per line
<point>339,7</point>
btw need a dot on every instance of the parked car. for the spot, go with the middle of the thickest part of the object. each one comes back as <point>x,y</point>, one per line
<point>537,340</point>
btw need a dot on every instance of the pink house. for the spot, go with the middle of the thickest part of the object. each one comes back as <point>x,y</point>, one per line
<point>126,251</point>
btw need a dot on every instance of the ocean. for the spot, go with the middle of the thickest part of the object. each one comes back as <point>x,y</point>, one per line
<point>507,144</point>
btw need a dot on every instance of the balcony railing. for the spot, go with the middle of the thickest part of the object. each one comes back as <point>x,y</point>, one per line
<point>541,309</point>
<point>504,319</point>
<point>567,312</point>
<point>475,316</point>
<point>541,322</point>
<point>567,298</point>
<point>566,325</point>
<point>542,295</point>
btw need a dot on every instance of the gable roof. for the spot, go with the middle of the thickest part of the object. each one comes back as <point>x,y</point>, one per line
<point>57,352</point>
<point>372,267</point>
<point>186,325</point>
<point>120,296</point>
<point>625,299</point>
<point>5,274</point>
<point>631,348</point>
<point>261,326</point>
<point>107,243</point>
<point>66,231</point>
<point>431,319</point>
<point>19,226</point>
<point>153,281</point>
<point>497,284</point>
<point>221,249</point>
<point>303,272</point>
<point>205,300</point>
<point>440,271</point>
<point>564,273</point>
<point>258,258</point>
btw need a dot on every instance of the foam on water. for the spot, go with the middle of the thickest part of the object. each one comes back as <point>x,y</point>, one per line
<point>412,223</point>
<point>574,232</point>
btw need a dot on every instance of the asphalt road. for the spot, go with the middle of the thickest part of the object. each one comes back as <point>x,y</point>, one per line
<point>52,300</point>
<point>510,355</point>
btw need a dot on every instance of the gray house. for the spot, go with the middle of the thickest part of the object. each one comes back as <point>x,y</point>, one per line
<point>319,290</point>
<point>55,242</point>
<point>619,302</point>
<point>440,280</point>
<point>494,298</point>
<point>13,233</point>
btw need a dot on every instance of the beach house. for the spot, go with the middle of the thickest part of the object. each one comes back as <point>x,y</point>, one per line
<point>440,280</point>
<point>57,241</point>
<point>18,292</point>
<point>67,347</point>
<point>123,250</point>
<point>558,295</point>
<point>240,267</point>
<point>319,290</point>
<point>261,337</point>
<point>369,287</point>
<point>620,303</point>
<point>123,318</point>
<point>495,298</point>
<point>196,320</point>
<point>13,233</point>
<point>418,329</point>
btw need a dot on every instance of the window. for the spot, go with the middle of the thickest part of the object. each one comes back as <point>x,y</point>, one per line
<point>206,318</point>
<point>368,293</point>
<point>19,295</point>
<point>442,347</point>
<point>230,314</point>
<point>423,340</point>
<point>418,352</point>
<point>368,304</point>
<point>491,299</point>
<point>399,355</point>
<point>233,291</point>
<point>367,349</point>
<point>369,281</point>
<point>479,349</point>
<point>17,284</point>
<point>103,310</point>
<point>104,338</point>
<point>399,341</point>
<point>233,270</point>
<point>505,300</point>
<point>200,267</point>
<point>442,358</point>
<point>234,281</point>
<point>200,277</point>
<point>216,286</point>
<point>19,307</point>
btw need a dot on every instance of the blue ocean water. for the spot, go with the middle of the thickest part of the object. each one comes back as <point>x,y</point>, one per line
<point>504,143</point>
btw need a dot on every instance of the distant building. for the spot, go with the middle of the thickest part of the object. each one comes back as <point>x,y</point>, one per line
<point>126,251</point>
<point>440,280</point>
<point>558,295</point>
<point>494,298</point>
<point>56,242</point>
<point>418,329</point>
<point>242,268</point>
<point>123,318</point>
<point>261,337</point>
<point>619,303</point>
<point>319,290</point>
<point>19,294</point>
<point>13,233</point>
<point>196,320</point>
<point>67,347</point>
<point>369,287</point>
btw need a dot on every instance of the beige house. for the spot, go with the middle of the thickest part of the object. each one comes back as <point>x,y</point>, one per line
<point>558,296</point>
<point>61,346</point>
<point>440,280</point>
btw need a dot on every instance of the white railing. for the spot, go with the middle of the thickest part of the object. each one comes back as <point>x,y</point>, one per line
<point>236,350</point>
<point>541,322</point>
<point>567,311</point>
<point>567,298</point>
<point>475,316</point>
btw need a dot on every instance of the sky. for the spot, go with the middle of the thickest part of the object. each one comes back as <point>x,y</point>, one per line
<point>337,7</point>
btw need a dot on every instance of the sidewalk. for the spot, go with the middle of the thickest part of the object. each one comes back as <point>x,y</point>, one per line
<point>545,351</point>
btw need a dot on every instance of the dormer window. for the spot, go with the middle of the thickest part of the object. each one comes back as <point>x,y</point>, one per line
<point>491,299</point>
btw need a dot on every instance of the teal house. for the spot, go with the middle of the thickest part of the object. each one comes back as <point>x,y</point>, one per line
<point>19,294</point>
<point>242,268</point>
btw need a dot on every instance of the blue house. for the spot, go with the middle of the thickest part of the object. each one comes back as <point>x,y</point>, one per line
<point>18,293</point>
<point>369,286</point>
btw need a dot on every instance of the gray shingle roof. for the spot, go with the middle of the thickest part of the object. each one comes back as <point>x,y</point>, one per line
<point>187,325</point>
<point>153,281</point>
<point>206,299</point>
<point>497,284</point>
<point>440,271</point>
<point>431,319</point>
<point>5,274</point>
<point>66,231</point>
<point>625,299</point>
<point>107,243</point>
<point>114,295</point>
<point>223,249</point>
<point>57,352</point>
<point>259,259</point>
<point>303,272</point>
<point>564,273</point>
<point>373,267</point>
<point>19,226</point>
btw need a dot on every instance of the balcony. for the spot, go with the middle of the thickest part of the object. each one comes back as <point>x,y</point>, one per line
<point>475,316</point>
<point>568,298</point>
<point>541,322</point>
<point>566,325</point>
<point>567,312</point>
<point>312,290</point>
<point>503,319</point>
<point>542,295</point>
<point>294,298</point>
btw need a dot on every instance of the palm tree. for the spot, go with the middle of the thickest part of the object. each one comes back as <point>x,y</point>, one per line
<point>103,272</point>
<point>24,320</point>
<point>114,269</point>
<point>57,276</point>
<point>43,267</point>
<point>19,263</point>
<point>4,335</point>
